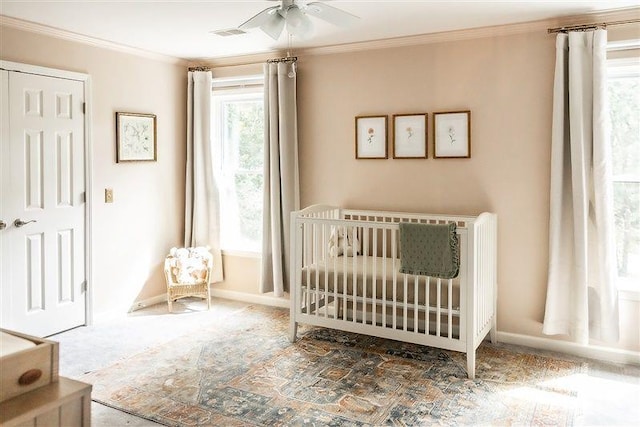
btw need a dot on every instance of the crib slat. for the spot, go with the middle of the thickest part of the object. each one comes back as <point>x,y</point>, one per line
<point>405,318</point>
<point>415,302</point>
<point>427,304</point>
<point>308,290</point>
<point>450,308</point>
<point>316,259</point>
<point>438,306</point>
<point>344,283</point>
<point>325,261</point>
<point>374,277</point>
<point>384,282</point>
<point>365,264</point>
<point>354,285</point>
<point>394,254</point>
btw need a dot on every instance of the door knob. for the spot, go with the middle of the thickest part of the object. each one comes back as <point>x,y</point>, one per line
<point>3,225</point>
<point>19,223</point>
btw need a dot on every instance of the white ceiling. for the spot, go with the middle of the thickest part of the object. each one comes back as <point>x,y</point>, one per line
<point>182,28</point>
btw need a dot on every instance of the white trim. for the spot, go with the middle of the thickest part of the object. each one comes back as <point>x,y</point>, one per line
<point>147,302</point>
<point>251,298</point>
<point>241,254</point>
<point>623,45</point>
<point>33,27</point>
<point>88,167</point>
<point>88,200</point>
<point>261,299</point>
<point>43,71</point>
<point>608,354</point>
<point>251,81</point>
<point>628,294</point>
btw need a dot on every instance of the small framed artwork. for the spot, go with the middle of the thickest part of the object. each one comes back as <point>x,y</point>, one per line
<point>371,137</point>
<point>452,134</point>
<point>410,136</point>
<point>135,137</point>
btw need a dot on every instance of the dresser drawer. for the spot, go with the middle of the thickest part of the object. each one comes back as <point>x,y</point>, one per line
<point>28,369</point>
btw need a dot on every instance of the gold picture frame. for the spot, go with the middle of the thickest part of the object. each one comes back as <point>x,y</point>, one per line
<point>410,136</point>
<point>371,137</point>
<point>136,138</point>
<point>452,135</point>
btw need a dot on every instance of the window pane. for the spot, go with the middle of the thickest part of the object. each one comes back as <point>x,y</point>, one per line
<point>239,145</point>
<point>624,101</point>
<point>627,216</point>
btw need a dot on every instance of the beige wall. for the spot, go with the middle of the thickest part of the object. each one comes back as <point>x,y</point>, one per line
<point>132,235</point>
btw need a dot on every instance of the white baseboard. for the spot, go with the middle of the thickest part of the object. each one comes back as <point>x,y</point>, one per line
<point>251,298</point>
<point>608,354</point>
<point>263,299</point>
<point>158,299</point>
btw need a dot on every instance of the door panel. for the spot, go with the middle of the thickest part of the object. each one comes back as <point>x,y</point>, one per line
<point>43,186</point>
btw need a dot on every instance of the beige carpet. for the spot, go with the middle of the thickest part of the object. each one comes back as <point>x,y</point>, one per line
<point>248,373</point>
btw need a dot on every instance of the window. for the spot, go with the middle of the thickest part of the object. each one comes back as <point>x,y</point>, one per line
<point>624,102</point>
<point>238,146</point>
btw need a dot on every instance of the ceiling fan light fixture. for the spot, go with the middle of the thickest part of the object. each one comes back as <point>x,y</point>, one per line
<point>298,23</point>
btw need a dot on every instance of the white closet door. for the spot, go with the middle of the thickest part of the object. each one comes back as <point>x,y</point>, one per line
<point>43,187</point>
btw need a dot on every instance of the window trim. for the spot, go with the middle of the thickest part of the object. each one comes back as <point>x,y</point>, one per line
<point>620,68</point>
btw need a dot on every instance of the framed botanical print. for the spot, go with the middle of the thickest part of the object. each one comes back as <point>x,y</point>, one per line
<point>452,134</point>
<point>410,136</point>
<point>135,137</point>
<point>371,137</point>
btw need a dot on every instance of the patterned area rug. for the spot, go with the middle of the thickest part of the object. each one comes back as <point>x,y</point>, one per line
<point>246,372</point>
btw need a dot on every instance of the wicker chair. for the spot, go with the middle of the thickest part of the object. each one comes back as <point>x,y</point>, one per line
<point>187,272</point>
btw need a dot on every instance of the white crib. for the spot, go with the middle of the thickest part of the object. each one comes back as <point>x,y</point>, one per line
<point>365,293</point>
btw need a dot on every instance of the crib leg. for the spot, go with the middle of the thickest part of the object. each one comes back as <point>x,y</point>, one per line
<point>471,364</point>
<point>293,330</point>
<point>493,333</point>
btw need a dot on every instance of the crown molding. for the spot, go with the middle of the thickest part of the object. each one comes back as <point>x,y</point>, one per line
<point>396,42</point>
<point>33,27</point>
<point>476,33</point>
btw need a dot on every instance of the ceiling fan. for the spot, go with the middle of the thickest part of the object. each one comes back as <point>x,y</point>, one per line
<point>295,14</point>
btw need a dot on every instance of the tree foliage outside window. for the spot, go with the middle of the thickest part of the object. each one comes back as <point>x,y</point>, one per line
<point>238,134</point>
<point>624,101</point>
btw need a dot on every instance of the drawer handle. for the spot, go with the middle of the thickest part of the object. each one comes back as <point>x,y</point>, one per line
<point>30,377</point>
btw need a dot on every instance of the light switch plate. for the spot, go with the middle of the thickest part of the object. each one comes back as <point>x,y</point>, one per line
<point>108,195</point>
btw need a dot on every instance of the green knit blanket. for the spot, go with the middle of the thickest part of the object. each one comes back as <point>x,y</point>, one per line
<point>429,250</point>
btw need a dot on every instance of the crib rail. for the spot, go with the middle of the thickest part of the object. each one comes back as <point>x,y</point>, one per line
<point>364,292</point>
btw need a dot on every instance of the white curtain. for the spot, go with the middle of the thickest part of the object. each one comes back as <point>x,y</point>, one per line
<point>581,290</point>
<point>281,185</point>
<point>202,203</point>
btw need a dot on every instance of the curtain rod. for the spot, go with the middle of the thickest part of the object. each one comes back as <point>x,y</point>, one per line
<point>285,59</point>
<point>199,69</point>
<point>587,27</point>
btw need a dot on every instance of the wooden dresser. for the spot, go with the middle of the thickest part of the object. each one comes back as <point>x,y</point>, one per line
<point>64,403</point>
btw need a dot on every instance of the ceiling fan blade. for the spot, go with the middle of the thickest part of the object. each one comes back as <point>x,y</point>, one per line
<point>261,18</point>
<point>330,14</point>
<point>274,26</point>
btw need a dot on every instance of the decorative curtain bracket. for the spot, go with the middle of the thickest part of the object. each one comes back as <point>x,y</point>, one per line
<point>588,27</point>
<point>285,59</point>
